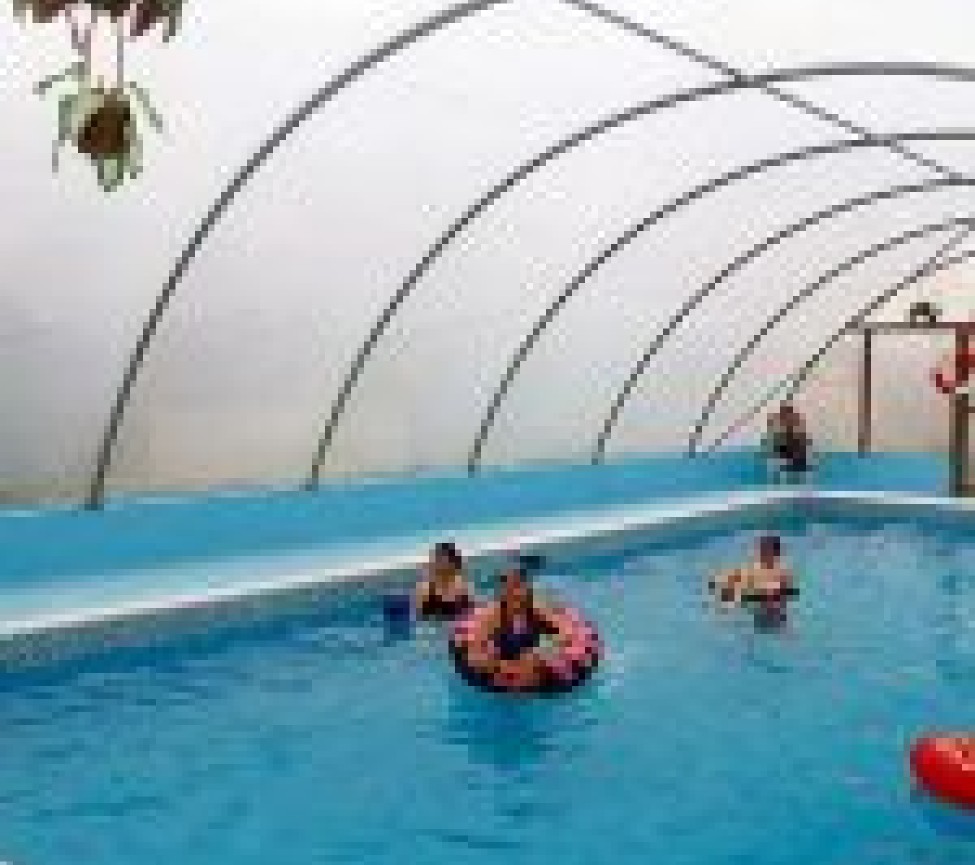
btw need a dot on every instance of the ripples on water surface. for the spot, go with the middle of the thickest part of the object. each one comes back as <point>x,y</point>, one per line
<point>700,741</point>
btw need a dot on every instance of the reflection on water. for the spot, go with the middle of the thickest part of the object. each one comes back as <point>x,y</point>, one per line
<point>954,626</point>
<point>945,819</point>
<point>513,733</point>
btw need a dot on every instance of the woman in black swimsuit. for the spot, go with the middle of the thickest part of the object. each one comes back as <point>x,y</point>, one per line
<point>513,632</point>
<point>519,624</point>
<point>443,592</point>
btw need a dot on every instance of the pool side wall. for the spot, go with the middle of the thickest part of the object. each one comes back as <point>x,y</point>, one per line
<point>679,496</point>
<point>138,535</point>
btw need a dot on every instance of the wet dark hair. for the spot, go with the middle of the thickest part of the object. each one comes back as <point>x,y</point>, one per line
<point>526,565</point>
<point>505,608</point>
<point>771,544</point>
<point>530,563</point>
<point>449,551</point>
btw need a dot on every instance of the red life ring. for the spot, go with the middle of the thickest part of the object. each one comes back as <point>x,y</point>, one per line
<point>944,766</point>
<point>954,370</point>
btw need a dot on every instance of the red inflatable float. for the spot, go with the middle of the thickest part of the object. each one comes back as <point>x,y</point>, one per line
<point>955,370</point>
<point>572,657</point>
<point>944,766</point>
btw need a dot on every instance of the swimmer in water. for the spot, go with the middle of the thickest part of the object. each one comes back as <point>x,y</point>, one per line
<point>443,591</point>
<point>767,582</point>
<point>516,628</point>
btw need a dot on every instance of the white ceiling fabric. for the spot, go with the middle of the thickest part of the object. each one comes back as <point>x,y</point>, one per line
<point>252,351</point>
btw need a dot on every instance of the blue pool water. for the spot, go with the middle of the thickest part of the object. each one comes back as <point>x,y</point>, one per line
<point>699,741</point>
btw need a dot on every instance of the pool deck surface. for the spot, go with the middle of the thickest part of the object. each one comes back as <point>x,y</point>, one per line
<point>86,599</point>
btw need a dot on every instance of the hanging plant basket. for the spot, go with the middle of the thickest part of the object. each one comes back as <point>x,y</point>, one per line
<point>106,131</point>
<point>101,121</point>
<point>103,124</point>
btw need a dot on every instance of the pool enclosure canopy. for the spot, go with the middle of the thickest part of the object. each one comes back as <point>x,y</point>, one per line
<point>423,236</point>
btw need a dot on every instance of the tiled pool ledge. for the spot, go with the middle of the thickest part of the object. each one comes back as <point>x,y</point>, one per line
<point>144,609</point>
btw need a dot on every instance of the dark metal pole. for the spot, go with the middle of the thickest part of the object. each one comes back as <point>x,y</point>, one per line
<point>866,395</point>
<point>961,413</point>
<point>954,426</point>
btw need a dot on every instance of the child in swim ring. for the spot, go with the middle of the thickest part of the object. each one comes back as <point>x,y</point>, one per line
<point>515,630</point>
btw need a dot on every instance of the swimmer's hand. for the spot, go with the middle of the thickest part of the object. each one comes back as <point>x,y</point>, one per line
<point>720,581</point>
<point>725,582</point>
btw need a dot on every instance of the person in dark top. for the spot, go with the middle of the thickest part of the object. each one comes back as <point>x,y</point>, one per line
<point>443,592</point>
<point>518,622</point>
<point>513,633</point>
<point>519,644</point>
<point>787,440</point>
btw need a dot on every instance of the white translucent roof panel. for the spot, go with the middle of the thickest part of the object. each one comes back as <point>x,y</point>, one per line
<point>475,122</point>
<point>711,238</point>
<point>535,243</point>
<point>373,184</point>
<point>788,344</point>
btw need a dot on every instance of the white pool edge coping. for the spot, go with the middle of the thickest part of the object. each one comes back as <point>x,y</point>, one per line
<point>577,528</point>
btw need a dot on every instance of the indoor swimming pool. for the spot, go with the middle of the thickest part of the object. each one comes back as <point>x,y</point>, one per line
<point>304,306</point>
<point>329,739</point>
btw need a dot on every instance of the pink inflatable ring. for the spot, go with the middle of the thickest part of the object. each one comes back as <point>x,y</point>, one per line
<point>574,654</point>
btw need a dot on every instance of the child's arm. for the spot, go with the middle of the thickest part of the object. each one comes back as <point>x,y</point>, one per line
<point>422,590</point>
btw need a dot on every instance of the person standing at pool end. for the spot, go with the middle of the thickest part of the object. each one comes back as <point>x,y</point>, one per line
<point>787,442</point>
<point>766,581</point>
<point>443,591</point>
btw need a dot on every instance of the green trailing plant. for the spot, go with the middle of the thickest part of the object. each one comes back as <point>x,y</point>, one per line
<point>103,122</point>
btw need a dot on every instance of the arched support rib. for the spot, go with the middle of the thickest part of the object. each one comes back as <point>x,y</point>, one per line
<point>739,82</point>
<point>343,80</point>
<point>787,388</point>
<point>672,207</point>
<point>734,267</point>
<point>349,76</point>
<point>787,308</point>
<point>719,66</point>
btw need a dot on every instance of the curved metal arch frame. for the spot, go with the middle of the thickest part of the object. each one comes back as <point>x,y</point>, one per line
<point>739,83</point>
<point>788,387</point>
<point>630,25</point>
<point>374,58</point>
<point>405,39</point>
<point>389,49</point>
<point>824,280</point>
<point>672,207</point>
<point>734,267</point>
